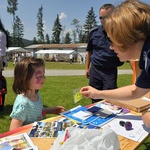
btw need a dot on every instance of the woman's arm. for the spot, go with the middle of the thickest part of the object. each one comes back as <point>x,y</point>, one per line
<point>146,118</point>
<point>123,93</point>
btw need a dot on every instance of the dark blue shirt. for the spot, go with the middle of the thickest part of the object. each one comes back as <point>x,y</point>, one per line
<point>99,45</point>
<point>143,81</point>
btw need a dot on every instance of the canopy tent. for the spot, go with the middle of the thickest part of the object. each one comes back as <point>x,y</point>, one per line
<point>56,52</point>
<point>16,49</point>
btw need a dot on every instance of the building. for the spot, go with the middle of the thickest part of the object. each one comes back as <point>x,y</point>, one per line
<point>79,49</point>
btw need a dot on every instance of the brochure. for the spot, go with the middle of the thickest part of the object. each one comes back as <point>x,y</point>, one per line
<point>53,129</point>
<point>20,142</point>
<point>49,129</point>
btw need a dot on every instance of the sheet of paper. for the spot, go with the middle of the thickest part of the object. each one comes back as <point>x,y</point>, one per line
<point>146,99</point>
<point>82,115</point>
<point>138,132</point>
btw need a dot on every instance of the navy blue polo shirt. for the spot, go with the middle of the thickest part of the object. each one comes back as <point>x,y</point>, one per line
<point>99,45</point>
<point>143,81</point>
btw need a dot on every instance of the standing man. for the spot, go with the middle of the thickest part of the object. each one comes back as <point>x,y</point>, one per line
<point>101,62</point>
<point>71,58</point>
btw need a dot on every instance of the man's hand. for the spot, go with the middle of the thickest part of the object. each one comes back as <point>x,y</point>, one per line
<point>87,73</point>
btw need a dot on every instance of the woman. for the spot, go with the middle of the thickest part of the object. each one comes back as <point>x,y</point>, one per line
<point>4,42</point>
<point>128,29</point>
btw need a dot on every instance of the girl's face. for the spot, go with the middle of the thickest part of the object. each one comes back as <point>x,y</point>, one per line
<point>38,78</point>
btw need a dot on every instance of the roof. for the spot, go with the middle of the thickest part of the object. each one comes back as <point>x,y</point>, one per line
<point>58,46</point>
<point>33,46</point>
<point>55,52</point>
<point>16,49</point>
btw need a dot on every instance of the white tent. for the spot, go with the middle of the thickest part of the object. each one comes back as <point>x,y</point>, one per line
<point>56,52</point>
<point>16,49</point>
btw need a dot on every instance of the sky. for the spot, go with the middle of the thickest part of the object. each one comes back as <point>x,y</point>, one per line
<point>66,9</point>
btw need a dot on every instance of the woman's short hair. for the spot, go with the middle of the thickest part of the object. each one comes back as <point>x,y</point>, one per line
<point>128,23</point>
<point>23,73</point>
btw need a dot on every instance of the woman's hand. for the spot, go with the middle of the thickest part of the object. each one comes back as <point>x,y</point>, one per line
<point>90,92</point>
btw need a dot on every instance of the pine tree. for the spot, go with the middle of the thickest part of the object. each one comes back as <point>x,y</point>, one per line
<point>89,23</point>
<point>57,28</point>
<point>35,41</point>
<point>12,8</point>
<point>18,34</point>
<point>40,25</point>
<point>47,40</point>
<point>67,38</point>
<point>81,36</point>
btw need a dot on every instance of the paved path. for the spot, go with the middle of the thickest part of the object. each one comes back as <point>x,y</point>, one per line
<point>9,73</point>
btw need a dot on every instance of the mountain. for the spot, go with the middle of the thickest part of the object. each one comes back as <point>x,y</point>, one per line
<point>27,42</point>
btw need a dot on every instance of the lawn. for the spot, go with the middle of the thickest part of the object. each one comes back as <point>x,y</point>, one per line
<point>66,65</point>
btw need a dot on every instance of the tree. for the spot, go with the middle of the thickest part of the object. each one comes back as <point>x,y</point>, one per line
<point>81,36</point>
<point>35,41</point>
<point>47,40</point>
<point>74,34</point>
<point>18,32</point>
<point>57,28</point>
<point>67,38</point>
<point>12,8</point>
<point>89,23</point>
<point>40,25</point>
<point>77,30</point>
<point>63,34</point>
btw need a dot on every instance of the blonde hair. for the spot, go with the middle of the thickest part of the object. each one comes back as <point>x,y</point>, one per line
<point>128,23</point>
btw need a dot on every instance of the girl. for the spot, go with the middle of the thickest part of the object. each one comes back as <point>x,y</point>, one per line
<point>29,77</point>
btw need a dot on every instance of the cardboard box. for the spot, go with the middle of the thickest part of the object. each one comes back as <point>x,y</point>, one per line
<point>137,105</point>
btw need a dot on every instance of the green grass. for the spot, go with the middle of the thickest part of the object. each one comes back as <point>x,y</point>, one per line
<point>66,65</point>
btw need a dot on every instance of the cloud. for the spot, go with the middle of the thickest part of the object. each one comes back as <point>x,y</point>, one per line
<point>68,30</point>
<point>62,16</point>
